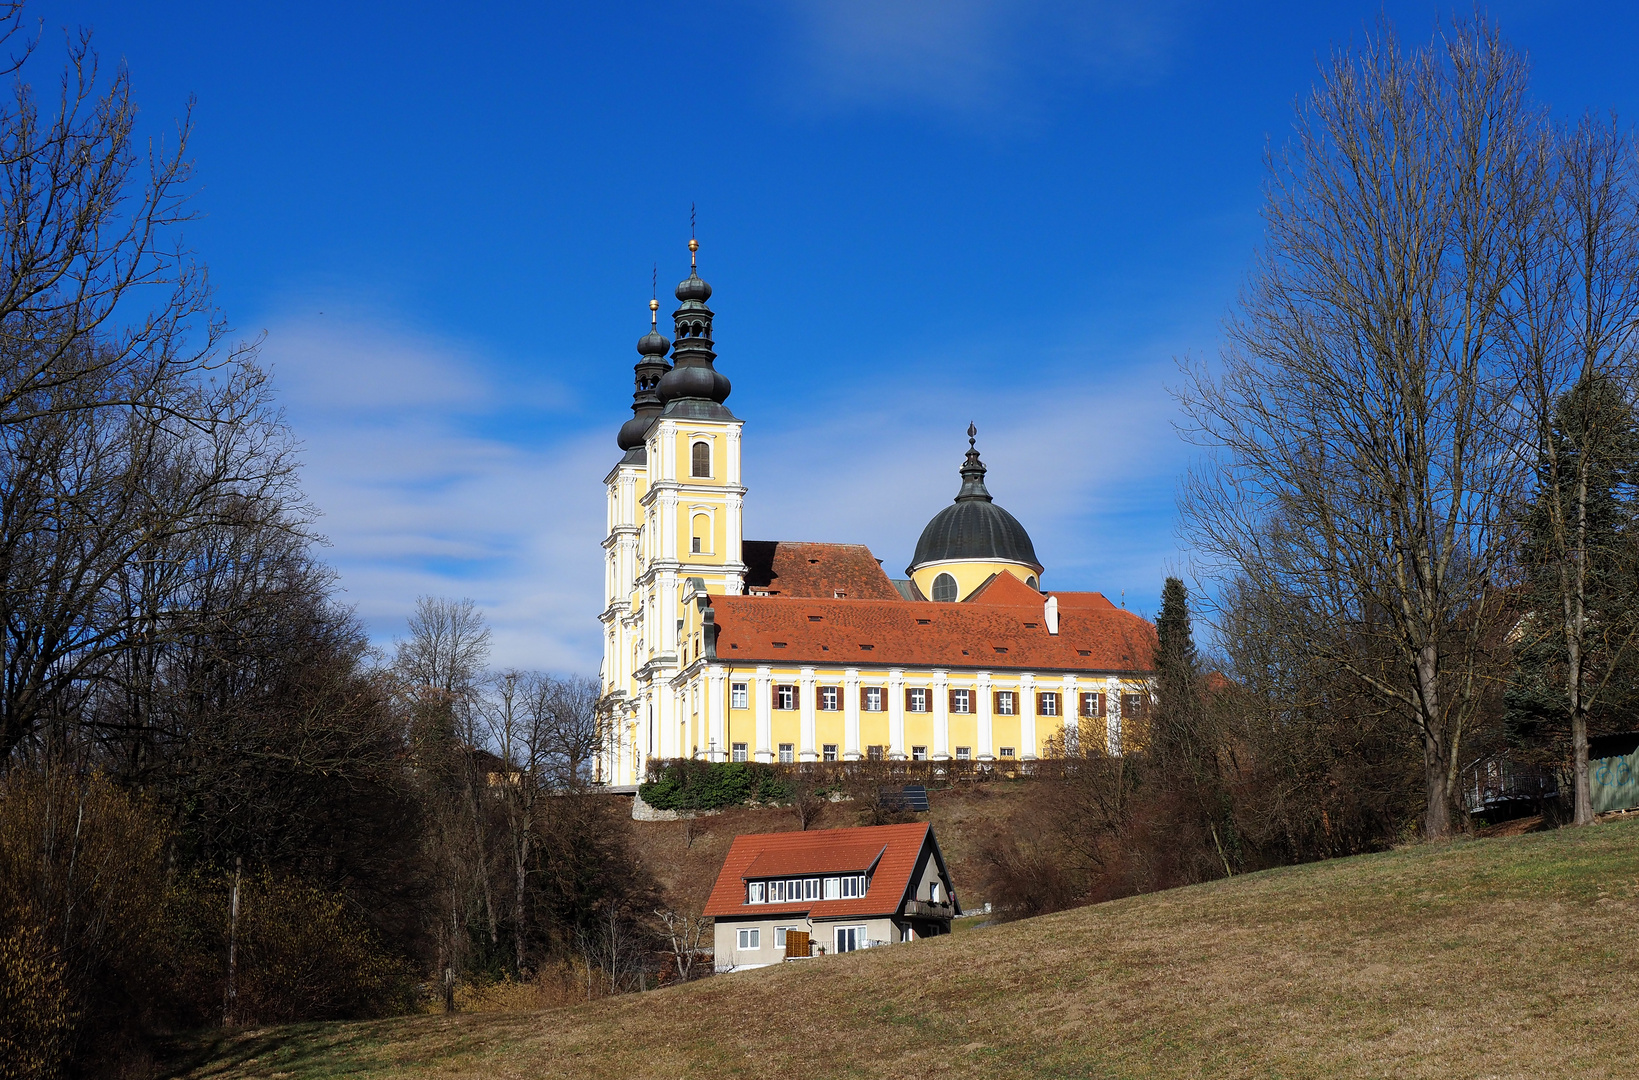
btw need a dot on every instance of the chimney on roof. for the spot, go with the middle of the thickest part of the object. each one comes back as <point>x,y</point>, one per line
<point>1051,615</point>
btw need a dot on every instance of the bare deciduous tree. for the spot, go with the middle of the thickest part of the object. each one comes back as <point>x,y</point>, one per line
<point>1356,466</point>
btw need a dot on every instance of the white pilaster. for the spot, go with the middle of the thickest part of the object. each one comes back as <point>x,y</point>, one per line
<point>941,715</point>
<point>1112,715</point>
<point>987,740</point>
<point>850,715</point>
<point>1027,716</point>
<point>717,715</point>
<point>805,747</point>
<point>764,748</point>
<point>1072,715</point>
<point>896,715</point>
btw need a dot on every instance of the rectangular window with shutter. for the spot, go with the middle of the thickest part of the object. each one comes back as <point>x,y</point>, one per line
<point>1047,704</point>
<point>916,699</point>
<point>873,753</point>
<point>1092,705</point>
<point>830,698</point>
<point>870,699</point>
<point>961,701</point>
<point>1132,706</point>
<point>785,697</point>
<point>1004,703</point>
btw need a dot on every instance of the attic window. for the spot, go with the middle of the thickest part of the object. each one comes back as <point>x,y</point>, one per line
<point>866,648</point>
<point>779,644</point>
<point>811,562</point>
<point>733,646</point>
<point>1084,652</point>
<point>839,595</point>
<point>1029,626</point>
<point>923,622</point>
<point>815,618</point>
<point>999,648</point>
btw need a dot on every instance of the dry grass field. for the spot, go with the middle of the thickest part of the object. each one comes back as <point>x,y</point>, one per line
<point>1513,957</point>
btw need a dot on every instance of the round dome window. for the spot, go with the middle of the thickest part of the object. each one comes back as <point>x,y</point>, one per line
<point>944,588</point>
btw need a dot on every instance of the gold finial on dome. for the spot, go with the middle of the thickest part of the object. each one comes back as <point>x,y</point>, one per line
<point>654,313</point>
<point>694,246</point>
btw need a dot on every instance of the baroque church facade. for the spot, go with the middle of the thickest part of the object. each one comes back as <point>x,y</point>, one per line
<point>724,649</point>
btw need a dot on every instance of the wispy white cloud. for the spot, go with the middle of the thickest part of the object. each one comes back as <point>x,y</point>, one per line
<point>973,55</point>
<point>423,494</point>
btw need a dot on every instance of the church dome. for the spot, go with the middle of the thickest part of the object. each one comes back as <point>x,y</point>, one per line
<point>974,528</point>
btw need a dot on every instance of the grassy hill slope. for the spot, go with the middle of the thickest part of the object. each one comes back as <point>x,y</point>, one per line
<point>1490,958</point>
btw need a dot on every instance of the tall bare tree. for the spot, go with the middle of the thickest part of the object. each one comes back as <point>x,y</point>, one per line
<point>1573,322</point>
<point>1355,467</point>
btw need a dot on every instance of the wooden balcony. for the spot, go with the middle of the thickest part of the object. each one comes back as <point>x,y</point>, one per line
<point>927,909</point>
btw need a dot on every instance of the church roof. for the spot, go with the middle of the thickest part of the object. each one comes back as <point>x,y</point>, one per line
<point>908,633</point>
<point>974,527</point>
<point>826,571</point>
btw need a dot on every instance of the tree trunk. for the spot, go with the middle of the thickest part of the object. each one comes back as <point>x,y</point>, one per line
<point>1436,752</point>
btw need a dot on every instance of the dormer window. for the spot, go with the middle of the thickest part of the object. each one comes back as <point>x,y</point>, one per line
<point>701,459</point>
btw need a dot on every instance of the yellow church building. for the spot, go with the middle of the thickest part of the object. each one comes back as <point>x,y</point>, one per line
<point>725,649</point>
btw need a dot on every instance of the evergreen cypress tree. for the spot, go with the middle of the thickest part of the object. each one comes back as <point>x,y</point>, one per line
<point>1177,681</point>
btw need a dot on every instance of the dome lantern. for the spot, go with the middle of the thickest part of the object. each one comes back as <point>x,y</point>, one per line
<point>972,538</point>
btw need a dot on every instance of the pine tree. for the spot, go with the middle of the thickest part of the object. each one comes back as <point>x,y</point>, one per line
<point>1578,659</point>
<point>1177,681</point>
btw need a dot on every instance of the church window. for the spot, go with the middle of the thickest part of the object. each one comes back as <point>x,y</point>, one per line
<point>785,697</point>
<point>737,696</point>
<point>829,752</point>
<point>1031,581</point>
<point>1004,703</point>
<point>700,533</point>
<point>961,701</point>
<point>739,751</point>
<point>701,455</point>
<point>830,698</point>
<point>916,699</point>
<point>788,753</point>
<point>871,699</point>
<point>944,588</point>
<point>1047,704</point>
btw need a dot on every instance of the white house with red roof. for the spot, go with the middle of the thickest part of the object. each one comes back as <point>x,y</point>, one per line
<point>806,894</point>
<point>724,649</point>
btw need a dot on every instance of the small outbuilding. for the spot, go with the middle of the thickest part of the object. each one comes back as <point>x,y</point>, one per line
<point>796,895</point>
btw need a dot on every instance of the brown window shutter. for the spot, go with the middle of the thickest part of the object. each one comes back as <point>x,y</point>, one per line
<point>862,698</point>
<point>1103,705</point>
<point>950,701</point>
<point>907,699</point>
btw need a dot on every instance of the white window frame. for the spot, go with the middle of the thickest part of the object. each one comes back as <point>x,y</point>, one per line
<point>879,694</point>
<point>738,751</point>
<point>739,695</point>
<point>711,456</point>
<point>961,701</point>
<point>828,751</point>
<point>917,700</point>
<point>1006,702</point>
<point>857,938</point>
<point>1006,752</point>
<point>833,888</point>
<point>830,699</point>
<point>1047,703</point>
<point>749,938</point>
<point>781,692</point>
<point>788,753</point>
<point>756,893</point>
<point>919,753</point>
<point>964,753</point>
<point>779,935</point>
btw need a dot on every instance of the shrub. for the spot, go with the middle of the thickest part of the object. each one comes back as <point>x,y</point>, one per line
<point>36,1018</point>
<point>707,785</point>
<point>303,953</point>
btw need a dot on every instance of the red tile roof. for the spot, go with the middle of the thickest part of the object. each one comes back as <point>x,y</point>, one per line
<point>795,568</point>
<point>900,847</point>
<point>782,862</point>
<point>1092,637</point>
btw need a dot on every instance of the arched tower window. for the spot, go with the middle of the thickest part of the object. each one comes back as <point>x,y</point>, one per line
<point>701,464</point>
<point>1031,581</point>
<point>944,589</point>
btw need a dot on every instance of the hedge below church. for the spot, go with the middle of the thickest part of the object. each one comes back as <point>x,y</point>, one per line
<point>707,785</point>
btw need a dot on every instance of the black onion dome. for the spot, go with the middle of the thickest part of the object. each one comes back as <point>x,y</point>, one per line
<point>693,287</point>
<point>974,527</point>
<point>653,343</point>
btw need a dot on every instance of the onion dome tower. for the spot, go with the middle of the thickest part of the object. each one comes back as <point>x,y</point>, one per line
<point>652,347</point>
<point>693,387</point>
<point>972,539</point>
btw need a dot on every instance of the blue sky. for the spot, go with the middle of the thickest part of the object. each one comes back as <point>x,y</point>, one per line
<point>913,213</point>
